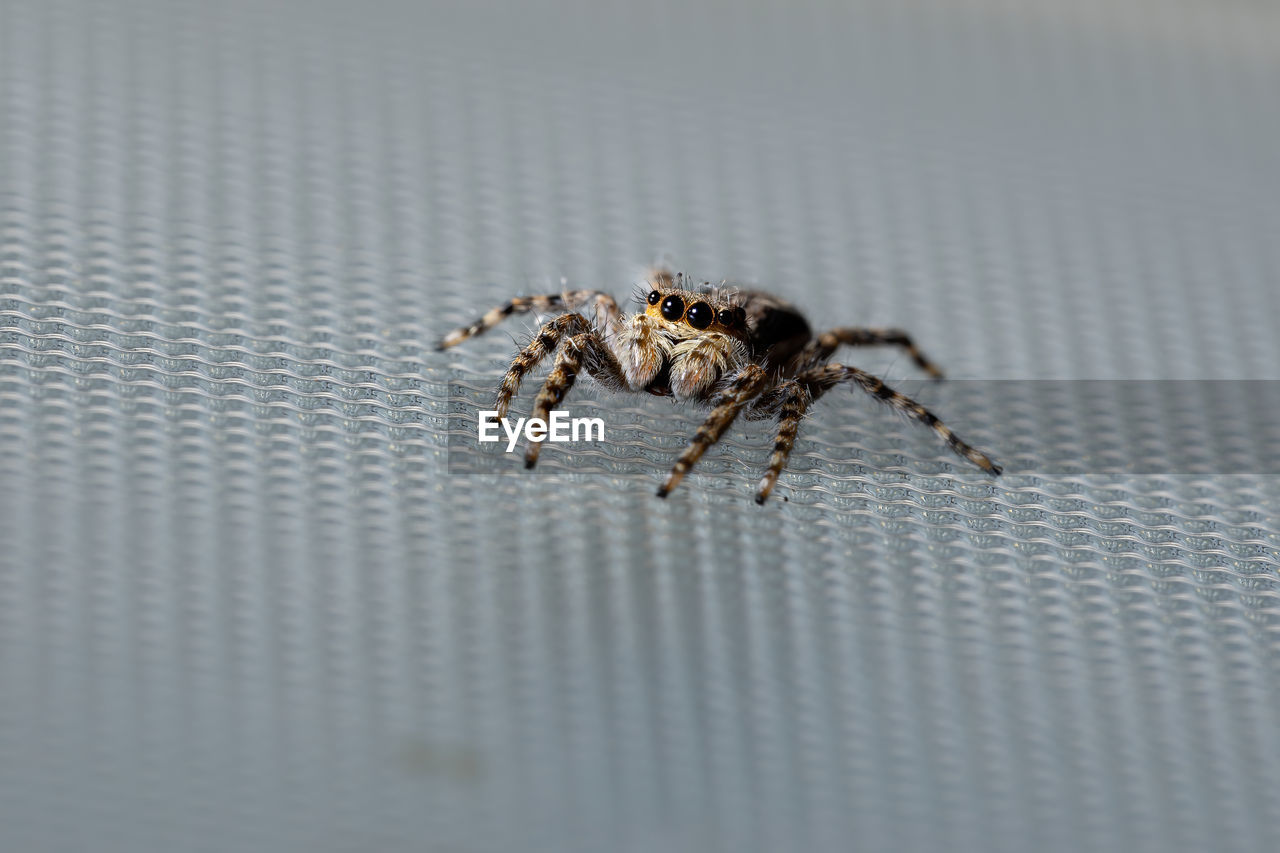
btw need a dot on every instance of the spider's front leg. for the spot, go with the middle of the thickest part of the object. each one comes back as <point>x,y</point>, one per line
<point>543,343</point>
<point>728,404</point>
<point>606,311</point>
<point>821,379</point>
<point>600,363</point>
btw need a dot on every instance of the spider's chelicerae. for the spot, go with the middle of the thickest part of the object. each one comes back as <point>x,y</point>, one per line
<point>739,352</point>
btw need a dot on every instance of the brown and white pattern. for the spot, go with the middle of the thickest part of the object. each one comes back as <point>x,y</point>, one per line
<point>739,352</point>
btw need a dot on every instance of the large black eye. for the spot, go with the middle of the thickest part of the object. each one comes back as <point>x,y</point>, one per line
<point>654,296</point>
<point>700,315</point>
<point>740,314</point>
<point>726,318</point>
<point>673,308</point>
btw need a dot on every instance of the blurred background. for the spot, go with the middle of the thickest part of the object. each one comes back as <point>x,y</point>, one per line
<point>246,603</point>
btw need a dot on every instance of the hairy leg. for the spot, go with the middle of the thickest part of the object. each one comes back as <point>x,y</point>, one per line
<point>728,403</point>
<point>822,347</point>
<point>600,363</point>
<point>544,343</point>
<point>823,378</point>
<point>604,306</point>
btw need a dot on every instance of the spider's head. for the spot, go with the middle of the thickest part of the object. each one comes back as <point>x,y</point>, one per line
<point>688,314</point>
<point>683,340</point>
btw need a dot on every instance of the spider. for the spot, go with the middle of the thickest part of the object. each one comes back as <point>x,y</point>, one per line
<point>738,352</point>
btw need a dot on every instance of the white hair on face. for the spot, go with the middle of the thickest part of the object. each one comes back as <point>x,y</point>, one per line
<point>641,347</point>
<point>698,363</point>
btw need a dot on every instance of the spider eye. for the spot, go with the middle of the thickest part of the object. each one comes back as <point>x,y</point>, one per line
<point>740,314</point>
<point>726,318</point>
<point>700,315</point>
<point>654,296</point>
<point>673,308</point>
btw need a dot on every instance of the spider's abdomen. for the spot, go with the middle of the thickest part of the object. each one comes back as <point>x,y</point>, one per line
<point>777,329</point>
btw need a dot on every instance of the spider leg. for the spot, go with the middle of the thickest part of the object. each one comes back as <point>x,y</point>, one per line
<point>790,400</point>
<point>600,363</point>
<point>606,310</point>
<point>821,379</point>
<point>728,404</point>
<point>823,346</point>
<point>544,343</point>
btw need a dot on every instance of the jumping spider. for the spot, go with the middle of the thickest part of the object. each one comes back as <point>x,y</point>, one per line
<point>738,352</point>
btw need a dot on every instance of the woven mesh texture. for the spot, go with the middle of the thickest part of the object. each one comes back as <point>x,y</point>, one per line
<point>244,604</point>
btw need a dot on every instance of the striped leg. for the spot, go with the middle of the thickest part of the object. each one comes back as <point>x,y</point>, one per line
<point>544,343</point>
<point>821,348</point>
<point>600,363</point>
<point>791,402</point>
<point>821,379</point>
<point>728,403</point>
<point>604,306</point>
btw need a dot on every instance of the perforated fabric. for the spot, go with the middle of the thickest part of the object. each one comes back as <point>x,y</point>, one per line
<point>245,603</point>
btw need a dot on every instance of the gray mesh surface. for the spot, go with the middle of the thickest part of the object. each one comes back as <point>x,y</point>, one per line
<point>244,605</point>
